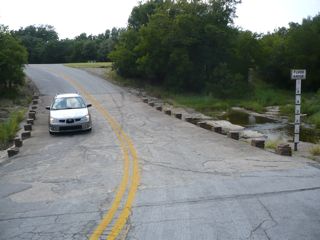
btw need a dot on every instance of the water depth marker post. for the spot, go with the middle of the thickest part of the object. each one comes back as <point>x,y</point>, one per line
<point>298,75</point>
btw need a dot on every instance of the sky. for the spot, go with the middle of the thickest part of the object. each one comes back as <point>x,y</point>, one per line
<point>73,17</point>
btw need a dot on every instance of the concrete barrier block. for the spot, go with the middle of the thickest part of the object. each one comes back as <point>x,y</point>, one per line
<point>234,135</point>
<point>178,115</point>
<point>32,115</point>
<point>168,112</point>
<point>192,120</point>
<point>284,150</point>
<point>18,142</point>
<point>159,108</point>
<point>25,135</point>
<point>34,107</point>
<point>35,101</point>
<point>145,100</point>
<point>205,126</point>
<point>12,151</point>
<point>35,97</point>
<point>27,127</point>
<point>217,129</point>
<point>30,121</point>
<point>258,143</point>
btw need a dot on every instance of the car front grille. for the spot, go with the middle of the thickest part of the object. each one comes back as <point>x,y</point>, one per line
<point>70,120</point>
<point>70,128</point>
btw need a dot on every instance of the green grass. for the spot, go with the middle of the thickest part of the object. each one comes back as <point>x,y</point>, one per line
<point>9,128</point>
<point>90,65</point>
<point>272,144</point>
<point>315,150</point>
<point>315,119</point>
<point>200,103</point>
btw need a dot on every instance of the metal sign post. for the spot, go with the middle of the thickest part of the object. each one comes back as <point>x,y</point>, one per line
<point>298,75</point>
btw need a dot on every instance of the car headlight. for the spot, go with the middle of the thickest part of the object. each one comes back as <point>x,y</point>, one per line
<point>53,120</point>
<point>86,118</point>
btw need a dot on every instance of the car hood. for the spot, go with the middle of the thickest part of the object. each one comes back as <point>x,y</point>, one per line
<point>69,113</point>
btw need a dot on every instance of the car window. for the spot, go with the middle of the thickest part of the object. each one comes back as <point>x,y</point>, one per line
<point>68,103</point>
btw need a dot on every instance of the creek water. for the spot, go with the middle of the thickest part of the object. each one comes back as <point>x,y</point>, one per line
<point>273,129</point>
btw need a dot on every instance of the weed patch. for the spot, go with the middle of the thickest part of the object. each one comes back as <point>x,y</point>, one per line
<point>315,150</point>
<point>9,128</point>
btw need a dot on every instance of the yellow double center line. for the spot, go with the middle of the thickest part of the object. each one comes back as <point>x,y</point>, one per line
<point>128,150</point>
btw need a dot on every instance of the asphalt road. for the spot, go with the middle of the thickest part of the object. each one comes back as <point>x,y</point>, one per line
<point>141,174</point>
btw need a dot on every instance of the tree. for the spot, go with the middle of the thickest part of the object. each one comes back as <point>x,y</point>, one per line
<point>35,38</point>
<point>296,47</point>
<point>13,56</point>
<point>178,44</point>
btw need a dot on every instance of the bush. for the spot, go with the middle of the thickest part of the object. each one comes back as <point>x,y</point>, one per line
<point>225,84</point>
<point>315,119</point>
<point>9,128</point>
<point>13,56</point>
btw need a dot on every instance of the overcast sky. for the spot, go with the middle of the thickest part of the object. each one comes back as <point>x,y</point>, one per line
<point>72,17</point>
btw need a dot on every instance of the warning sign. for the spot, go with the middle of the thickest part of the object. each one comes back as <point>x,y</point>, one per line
<point>298,74</point>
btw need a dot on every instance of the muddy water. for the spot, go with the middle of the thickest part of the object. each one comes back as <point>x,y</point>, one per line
<point>273,129</point>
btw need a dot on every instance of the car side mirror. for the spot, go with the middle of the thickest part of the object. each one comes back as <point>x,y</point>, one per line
<point>47,107</point>
<point>89,105</point>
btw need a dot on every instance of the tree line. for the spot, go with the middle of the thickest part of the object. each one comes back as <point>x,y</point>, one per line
<point>182,45</point>
<point>194,46</point>
<point>41,44</point>
<point>44,46</point>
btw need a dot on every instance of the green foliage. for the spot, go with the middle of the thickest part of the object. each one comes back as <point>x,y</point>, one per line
<point>294,48</point>
<point>315,119</point>
<point>13,56</point>
<point>9,128</point>
<point>124,56</point>
<point>226,84</point>
<point>44,46</point>
<point>272,144</point>
<point>201,103</point>
<point>90,65</point>
<point>183,46</point>
<point>35,40</point>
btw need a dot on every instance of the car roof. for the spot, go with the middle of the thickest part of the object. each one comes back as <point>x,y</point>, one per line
<point>66,95</point>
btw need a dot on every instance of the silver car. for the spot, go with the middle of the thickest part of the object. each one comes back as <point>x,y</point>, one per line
<point>69,113</point>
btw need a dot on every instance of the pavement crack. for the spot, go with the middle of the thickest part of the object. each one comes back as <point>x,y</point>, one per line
<point>48,215</point>
<point>19,191</point>
<point>267,210</point>
<point>227,198</point>
<point>256,228</point>
<point>265,232</point>
<point>185,169</point>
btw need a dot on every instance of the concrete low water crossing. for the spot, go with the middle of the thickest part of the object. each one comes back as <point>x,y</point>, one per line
<point>273,128</point>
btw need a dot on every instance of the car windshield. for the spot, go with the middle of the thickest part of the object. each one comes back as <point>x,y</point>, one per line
<point>68,103</point>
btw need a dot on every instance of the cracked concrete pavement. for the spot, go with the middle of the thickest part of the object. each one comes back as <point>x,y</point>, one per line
<point>195,184</point>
